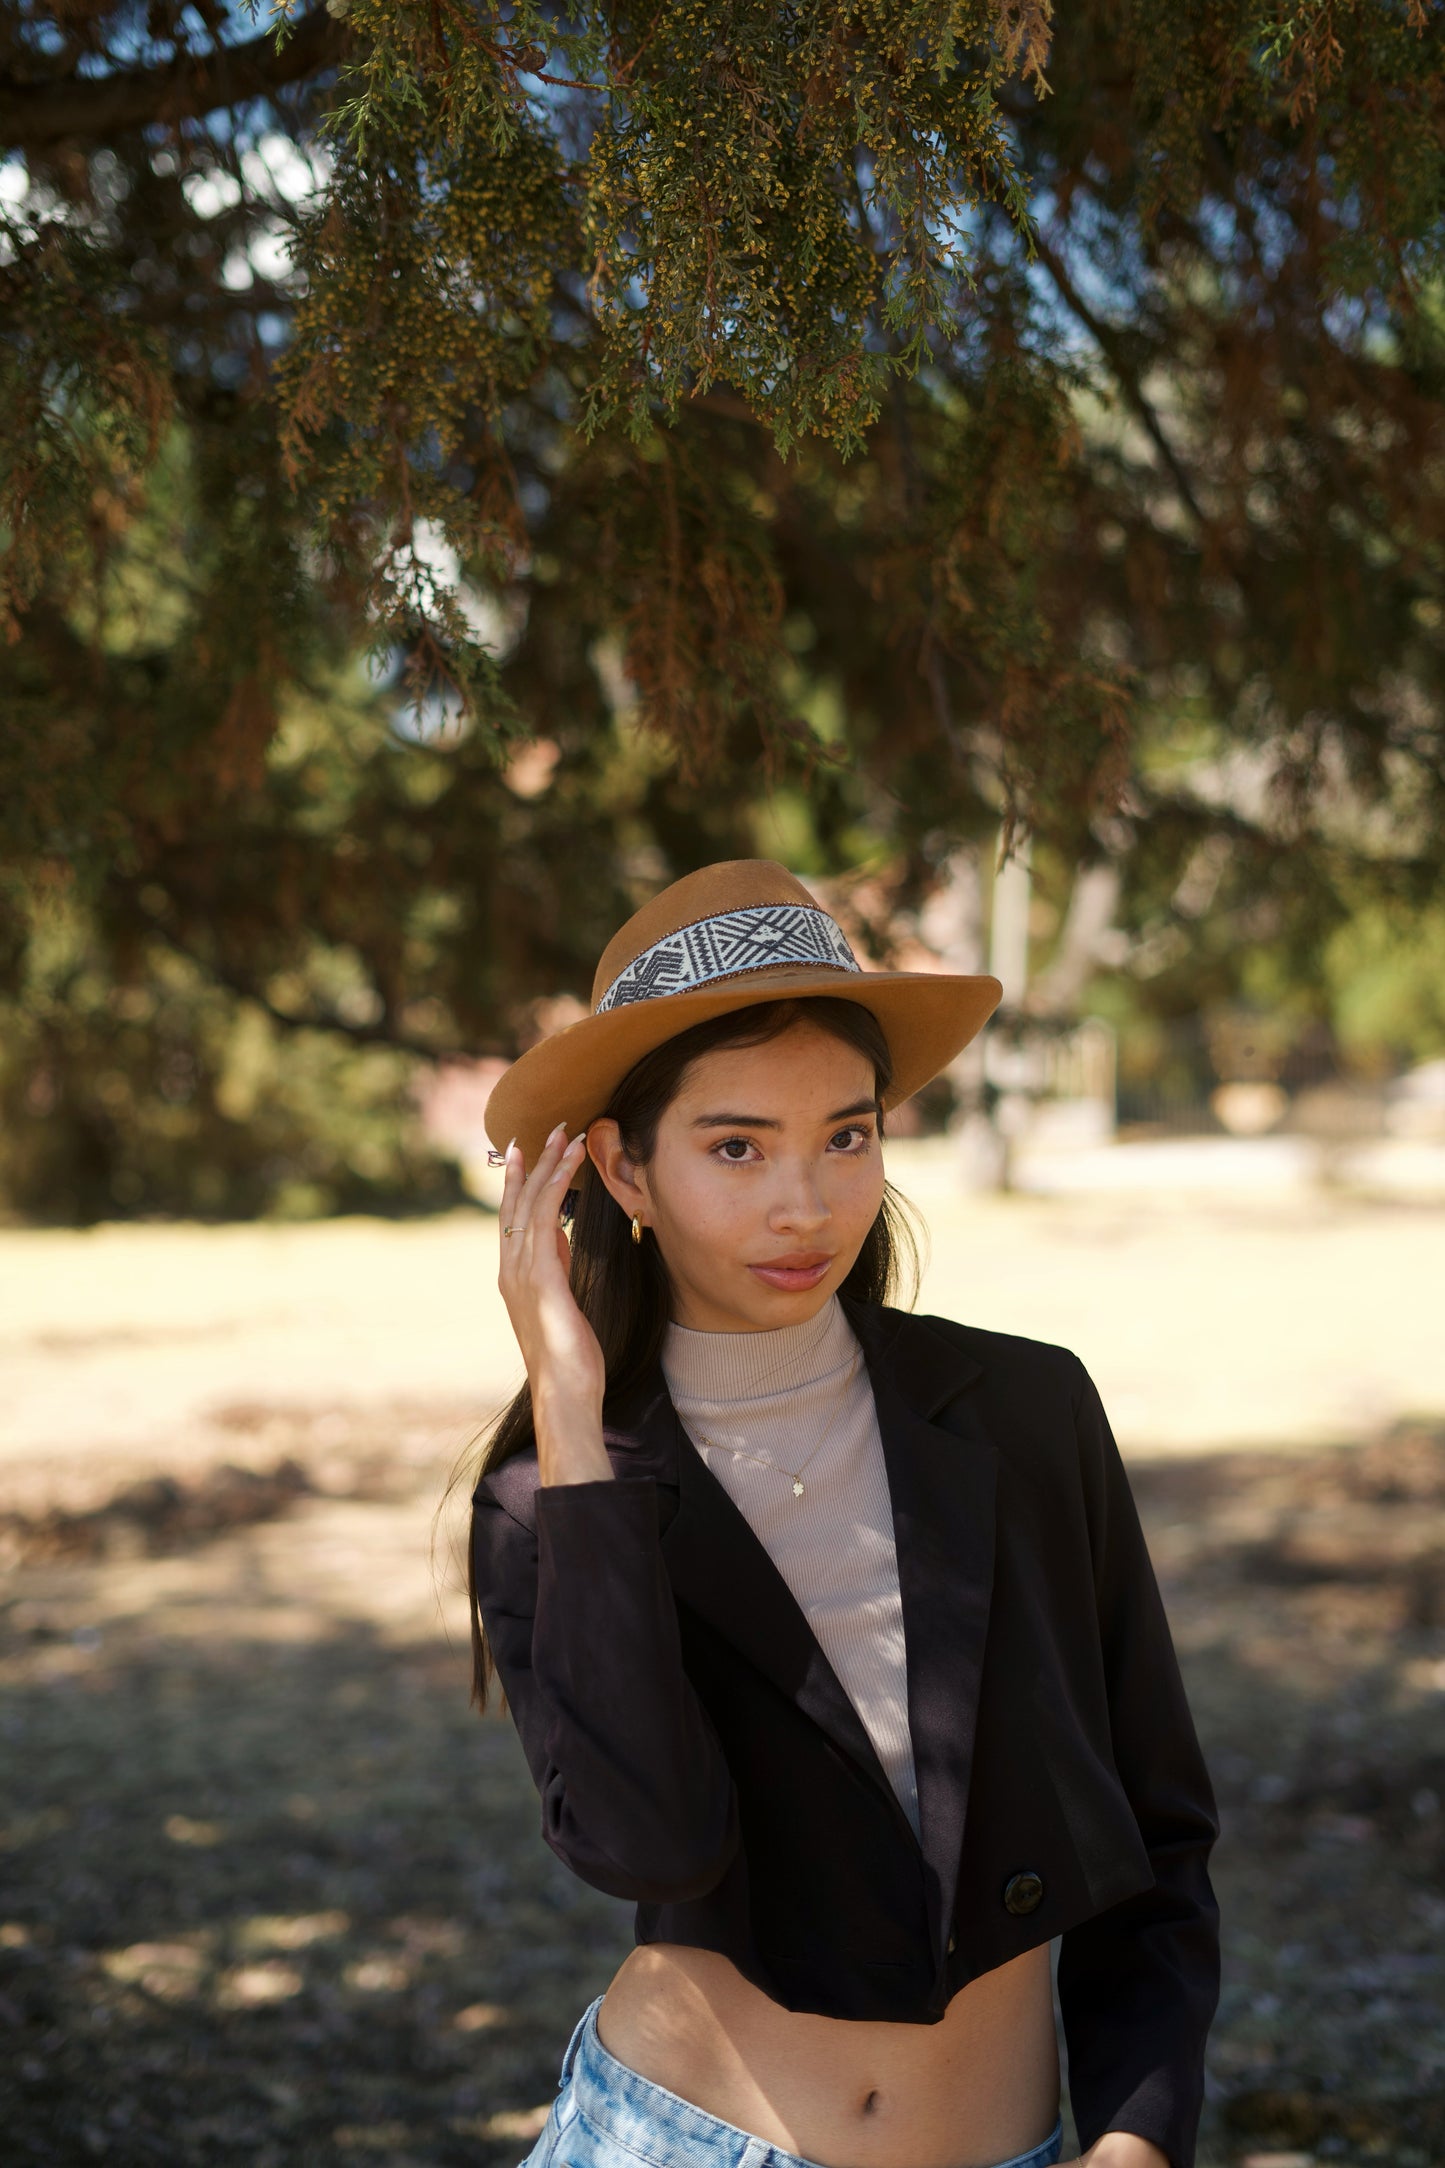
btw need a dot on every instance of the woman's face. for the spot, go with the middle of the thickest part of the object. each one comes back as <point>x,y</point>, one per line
<point>767,1175</point>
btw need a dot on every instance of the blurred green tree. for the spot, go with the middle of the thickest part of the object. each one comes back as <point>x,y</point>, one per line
<point>870,405</point>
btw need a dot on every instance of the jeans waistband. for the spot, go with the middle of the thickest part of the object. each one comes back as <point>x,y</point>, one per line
<point>619,2100</point>
<point>570,2057</point>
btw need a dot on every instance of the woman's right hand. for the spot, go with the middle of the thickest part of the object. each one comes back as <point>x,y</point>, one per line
<point>564,1361</point>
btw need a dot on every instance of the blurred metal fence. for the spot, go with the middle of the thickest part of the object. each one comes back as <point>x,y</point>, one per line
<point>1240,1075</point>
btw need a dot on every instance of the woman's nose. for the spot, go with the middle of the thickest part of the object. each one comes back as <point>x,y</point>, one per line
<point>799,1203</point>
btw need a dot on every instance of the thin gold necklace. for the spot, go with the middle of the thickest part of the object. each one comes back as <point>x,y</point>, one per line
<point>741,1453</point>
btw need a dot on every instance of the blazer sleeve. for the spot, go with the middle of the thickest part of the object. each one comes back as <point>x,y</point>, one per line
<point>636,1794</point>
<point>1138,1983</point>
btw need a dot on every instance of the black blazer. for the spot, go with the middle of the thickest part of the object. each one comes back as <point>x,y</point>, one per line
<point>695,1751</point>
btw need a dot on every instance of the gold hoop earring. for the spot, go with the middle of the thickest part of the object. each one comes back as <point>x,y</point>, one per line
<point>636,1228</point>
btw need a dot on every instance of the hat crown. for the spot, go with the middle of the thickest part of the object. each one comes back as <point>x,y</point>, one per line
<point>734,884</point>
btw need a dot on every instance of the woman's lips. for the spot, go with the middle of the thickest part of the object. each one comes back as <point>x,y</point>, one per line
<point>794,1275</point>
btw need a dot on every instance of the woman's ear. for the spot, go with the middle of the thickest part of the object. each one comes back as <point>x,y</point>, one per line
<point>624,1181</point>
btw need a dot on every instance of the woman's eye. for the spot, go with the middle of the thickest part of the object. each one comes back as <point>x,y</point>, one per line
<point>734,1148</point>
<point>852,1140</point>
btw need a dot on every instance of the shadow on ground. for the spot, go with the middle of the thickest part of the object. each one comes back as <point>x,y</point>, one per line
<point>271,1894</point>
<point>281,1903</point>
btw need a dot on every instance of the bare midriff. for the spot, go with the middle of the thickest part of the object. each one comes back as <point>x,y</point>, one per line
<point>978,2087</point>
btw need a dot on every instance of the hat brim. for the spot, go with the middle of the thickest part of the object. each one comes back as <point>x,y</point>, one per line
<point>928,1017</point>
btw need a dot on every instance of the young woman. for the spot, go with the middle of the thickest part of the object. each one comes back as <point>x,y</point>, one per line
<point>829,1631</point>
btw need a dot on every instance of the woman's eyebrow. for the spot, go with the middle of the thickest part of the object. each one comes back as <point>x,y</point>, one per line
<point>735,1121</point>
<point>766,1121</point>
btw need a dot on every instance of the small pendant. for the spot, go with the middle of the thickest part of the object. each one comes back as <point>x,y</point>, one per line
<point>797,1486</point>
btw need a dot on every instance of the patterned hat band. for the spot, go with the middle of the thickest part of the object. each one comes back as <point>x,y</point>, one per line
<point>753,939</point>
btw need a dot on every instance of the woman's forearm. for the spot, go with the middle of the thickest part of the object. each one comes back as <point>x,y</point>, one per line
<point>569,1437</point>
<point>564,1362</point>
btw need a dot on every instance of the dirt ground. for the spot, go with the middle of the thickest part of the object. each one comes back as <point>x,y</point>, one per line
<point>270,1893</point>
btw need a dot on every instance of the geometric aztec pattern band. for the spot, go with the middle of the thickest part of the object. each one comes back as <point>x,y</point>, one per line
<point>716,948</point>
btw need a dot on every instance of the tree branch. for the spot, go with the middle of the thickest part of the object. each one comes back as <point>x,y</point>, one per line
<point>1111,346</point>
<point>37,115</point>
<point>242,984</point>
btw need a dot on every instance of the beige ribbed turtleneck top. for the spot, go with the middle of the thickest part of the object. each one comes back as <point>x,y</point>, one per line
<point>776,1395</point>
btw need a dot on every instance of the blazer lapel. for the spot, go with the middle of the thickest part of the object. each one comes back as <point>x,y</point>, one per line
<point>941,1487</point>
<point>941,1484</point>
<point>720,1570</point>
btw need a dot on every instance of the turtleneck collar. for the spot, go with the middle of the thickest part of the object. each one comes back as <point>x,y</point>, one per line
<point>724,1368</point>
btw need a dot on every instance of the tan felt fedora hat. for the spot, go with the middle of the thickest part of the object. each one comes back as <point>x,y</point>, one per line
<point>725,937</point>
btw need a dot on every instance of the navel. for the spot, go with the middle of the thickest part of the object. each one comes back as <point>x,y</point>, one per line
<point>872,2101</point>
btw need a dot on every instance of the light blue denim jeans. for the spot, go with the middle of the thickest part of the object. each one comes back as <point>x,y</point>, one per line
<point>606,2116</point>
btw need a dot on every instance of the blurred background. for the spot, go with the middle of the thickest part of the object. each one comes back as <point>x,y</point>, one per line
<point>1023,519</point>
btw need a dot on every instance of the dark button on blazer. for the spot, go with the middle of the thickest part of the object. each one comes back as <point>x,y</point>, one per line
<point>695,1751</point>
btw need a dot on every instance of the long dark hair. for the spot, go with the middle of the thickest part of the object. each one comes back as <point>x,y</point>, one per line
<point>621,1286</point>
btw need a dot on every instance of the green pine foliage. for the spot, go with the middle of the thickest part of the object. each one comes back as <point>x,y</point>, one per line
<point>149,1088</point>
<point>900,418</point>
